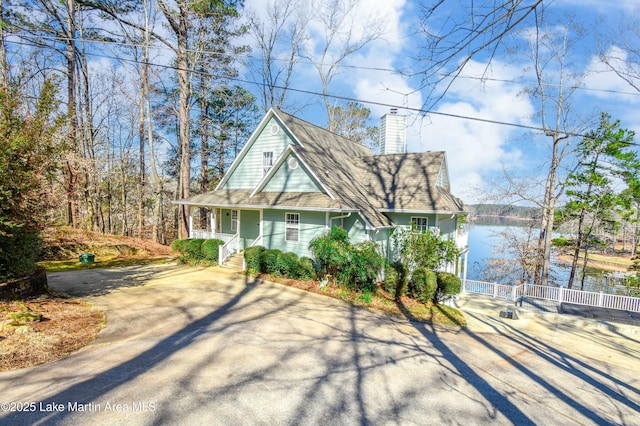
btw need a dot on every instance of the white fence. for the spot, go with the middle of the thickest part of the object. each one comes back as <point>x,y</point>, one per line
<point>557,294</point>
<point>208,235</point>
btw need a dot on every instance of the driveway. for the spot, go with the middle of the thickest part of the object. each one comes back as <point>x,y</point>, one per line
<point>204,346</point>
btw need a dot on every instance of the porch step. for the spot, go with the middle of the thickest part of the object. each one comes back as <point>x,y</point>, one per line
<point>234,262</point>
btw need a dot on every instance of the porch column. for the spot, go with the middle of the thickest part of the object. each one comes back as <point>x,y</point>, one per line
<point>212,219</point>
<point>190,223</point>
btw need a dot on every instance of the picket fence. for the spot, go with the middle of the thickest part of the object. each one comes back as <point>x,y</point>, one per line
<point>558,294</point>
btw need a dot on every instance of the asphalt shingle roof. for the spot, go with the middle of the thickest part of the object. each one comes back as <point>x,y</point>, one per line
<point>357,179</point>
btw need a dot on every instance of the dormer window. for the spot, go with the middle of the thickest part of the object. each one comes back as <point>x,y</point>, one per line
<point>267,162</point>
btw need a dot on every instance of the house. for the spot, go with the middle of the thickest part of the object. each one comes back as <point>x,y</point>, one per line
<point>293,181</point>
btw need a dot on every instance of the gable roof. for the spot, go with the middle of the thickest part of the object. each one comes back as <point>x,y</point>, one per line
<point>352,177</point>
<point>408,182</point>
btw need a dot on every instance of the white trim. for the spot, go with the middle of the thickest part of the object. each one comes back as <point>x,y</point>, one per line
<point>310,170</point>
<point>276,166</point>
<point>243,152</point>
<point>294,226</point>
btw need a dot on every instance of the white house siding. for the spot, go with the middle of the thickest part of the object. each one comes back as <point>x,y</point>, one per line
<point>249,171</point>
<point>312,225</point>
<point>291,180</point>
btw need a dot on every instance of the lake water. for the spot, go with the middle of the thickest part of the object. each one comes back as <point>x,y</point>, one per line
<point>484,239</point>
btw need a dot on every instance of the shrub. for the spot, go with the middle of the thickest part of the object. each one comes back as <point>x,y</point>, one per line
<point>306,269</point>
<point>210,249</point>
<point>390,279</point>
<point>363,268</point>
<point>193,249</point>
<point>288,264</point>
<point>424,284</point>
<point>448,285</point>
<point>19,253</point>
<point>331,250</point>
<point>253,258</point>
<point>269,262</point>
<point>180,246</point>
<point>401,287</point>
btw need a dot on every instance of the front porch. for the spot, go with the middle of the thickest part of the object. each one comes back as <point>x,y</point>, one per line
<point>238,229</point>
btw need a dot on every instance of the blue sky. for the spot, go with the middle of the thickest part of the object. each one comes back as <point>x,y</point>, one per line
<point>476,151</point>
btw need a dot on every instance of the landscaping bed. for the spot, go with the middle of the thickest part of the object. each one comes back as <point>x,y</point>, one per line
<point>381,301</point>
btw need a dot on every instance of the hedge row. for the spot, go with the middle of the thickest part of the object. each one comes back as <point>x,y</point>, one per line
<point>275,262</point>
<point>197,250</point>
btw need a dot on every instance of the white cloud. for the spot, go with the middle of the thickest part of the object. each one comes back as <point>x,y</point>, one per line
<point>476,150</point>
<point>604,82</point>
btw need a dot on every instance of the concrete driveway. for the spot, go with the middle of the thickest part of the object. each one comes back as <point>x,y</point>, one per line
<point>204,346</point>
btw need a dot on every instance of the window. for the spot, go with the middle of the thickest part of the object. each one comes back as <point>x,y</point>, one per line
<point>234,221</point>
<point>292,227</point>
<point>267,162</point>
<point>420,224</point>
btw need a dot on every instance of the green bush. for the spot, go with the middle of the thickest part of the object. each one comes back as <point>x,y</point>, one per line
<point>210,249</point>
<point>180,246</point>
<point>19,253</point>
<point>331,250</point>
<point>288,264</point>
<point>424,284</point>
<point>306,269</point>
<point>253,259</point>
<point>563,242</point>
<point>363,268</point>
<point>390,279</point>
<point>448,285</point>
<point>403,278</point>
<point>193,250</point>
<point>269,262</point>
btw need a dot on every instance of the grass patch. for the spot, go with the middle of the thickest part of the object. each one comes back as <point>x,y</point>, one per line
<point>380,301</point>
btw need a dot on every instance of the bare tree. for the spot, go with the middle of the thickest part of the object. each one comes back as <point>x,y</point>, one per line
<point>624,58</point>
<point>279,40</point>
<point>343,36</point>
<point>454,39</point>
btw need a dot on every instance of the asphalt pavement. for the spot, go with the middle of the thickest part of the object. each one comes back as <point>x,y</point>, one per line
<point>206,346</point>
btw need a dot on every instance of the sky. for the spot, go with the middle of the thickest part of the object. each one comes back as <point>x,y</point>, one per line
<point>478,152</point>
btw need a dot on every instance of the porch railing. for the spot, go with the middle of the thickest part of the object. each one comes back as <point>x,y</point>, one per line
<point>557,294</point>
<point>228,248</point>
<point>201,233</point>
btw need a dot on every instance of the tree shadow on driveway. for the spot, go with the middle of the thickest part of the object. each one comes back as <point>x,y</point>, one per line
<point>591,379</point>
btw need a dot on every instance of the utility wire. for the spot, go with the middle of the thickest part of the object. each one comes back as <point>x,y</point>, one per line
<point>346,66</point>
<point>420,111</point>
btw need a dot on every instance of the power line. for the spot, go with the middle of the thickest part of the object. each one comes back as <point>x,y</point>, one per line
<point>420,111</point>
<point>345,66</point>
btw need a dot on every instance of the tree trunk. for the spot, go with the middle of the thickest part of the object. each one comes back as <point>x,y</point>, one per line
<point>72,122</point>
<point>184,129</point>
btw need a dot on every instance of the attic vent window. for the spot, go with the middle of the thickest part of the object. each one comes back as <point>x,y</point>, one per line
<point>267,162</point>
<point>292,162</point>
<point>275,129</point>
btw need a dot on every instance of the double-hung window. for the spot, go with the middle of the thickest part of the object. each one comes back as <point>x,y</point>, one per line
<point>292,227</point>
<point>234,221</point>
<point>420,224</point>
<point>267,162</point>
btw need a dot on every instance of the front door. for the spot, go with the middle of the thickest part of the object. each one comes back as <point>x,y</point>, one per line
<point>249,227</point>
